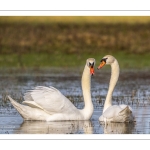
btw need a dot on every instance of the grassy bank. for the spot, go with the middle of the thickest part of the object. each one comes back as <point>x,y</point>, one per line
<point>69,41</point>
<point>40,60</point>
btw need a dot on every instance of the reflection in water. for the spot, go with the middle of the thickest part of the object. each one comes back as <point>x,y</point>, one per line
<point>118,128</point>
<point>61,127</point>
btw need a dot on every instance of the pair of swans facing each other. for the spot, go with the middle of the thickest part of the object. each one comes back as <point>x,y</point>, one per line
<point>49,104</point>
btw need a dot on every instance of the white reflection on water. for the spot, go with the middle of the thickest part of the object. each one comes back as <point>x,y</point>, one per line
<point>61,127</point>
<point>119,128</point>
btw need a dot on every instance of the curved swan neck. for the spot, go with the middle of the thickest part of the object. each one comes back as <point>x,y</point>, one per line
<point>112,84</point>
<point>86,89</point>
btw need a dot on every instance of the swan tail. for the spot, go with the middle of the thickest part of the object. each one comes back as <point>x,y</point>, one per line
<point>126,115</point>
<point>20,108</point>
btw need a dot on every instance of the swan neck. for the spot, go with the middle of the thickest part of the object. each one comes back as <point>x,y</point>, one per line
<point>86,89</point>
<point>113,80</point>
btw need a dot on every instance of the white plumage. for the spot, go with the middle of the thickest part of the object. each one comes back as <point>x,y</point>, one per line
<point>49,99</point>
<point>114,113</point>
<point>49,104</point>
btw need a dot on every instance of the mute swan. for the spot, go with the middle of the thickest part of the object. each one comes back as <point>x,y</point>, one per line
<point>49,104</point>
<point>114,113</point>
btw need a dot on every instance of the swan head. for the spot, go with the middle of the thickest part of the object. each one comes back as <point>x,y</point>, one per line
<point>90,62</point>
<point>106,60</point>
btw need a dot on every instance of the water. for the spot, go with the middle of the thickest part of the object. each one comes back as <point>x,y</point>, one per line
<point>132,89</point>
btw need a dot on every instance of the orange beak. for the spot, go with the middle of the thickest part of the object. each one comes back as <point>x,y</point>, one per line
<point>101,65</point>
<point>92,70</point>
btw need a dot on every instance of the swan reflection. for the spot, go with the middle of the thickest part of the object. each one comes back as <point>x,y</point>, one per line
<point>118,128</point>
<point>61,127</point>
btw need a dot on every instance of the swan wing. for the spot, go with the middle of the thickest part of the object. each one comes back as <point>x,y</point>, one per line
<point>49,99</point>
<point>32,104</point>
<point>119,113</point>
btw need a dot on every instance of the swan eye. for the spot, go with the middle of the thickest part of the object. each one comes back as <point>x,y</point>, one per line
<point>91,64</point>
<point>104,59</point>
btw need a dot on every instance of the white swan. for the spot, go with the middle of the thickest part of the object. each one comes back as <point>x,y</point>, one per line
<point>49,104</point>
<point>114,113</point>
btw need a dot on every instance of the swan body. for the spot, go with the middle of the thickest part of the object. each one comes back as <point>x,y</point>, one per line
<point>49,104</point>
<point>117,113</point>
<point>114,113</point>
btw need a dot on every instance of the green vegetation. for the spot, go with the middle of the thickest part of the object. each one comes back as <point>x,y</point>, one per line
<point>36,60</point>
<point>28,42</point>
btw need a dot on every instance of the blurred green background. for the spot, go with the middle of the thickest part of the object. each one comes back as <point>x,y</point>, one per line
<point>58,41</point>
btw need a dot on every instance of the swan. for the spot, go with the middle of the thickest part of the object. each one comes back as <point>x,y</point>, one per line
<point>49,104</point>
<point>114,113</point>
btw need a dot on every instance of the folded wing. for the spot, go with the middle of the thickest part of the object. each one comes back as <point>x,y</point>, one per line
<point>48,99</point>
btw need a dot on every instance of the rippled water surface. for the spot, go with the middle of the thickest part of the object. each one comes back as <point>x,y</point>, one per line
<point>133,88</point>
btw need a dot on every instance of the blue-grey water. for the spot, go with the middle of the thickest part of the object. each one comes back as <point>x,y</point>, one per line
<point>133,88</point>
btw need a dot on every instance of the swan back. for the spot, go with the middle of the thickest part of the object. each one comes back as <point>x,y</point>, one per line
<point>117,113</point>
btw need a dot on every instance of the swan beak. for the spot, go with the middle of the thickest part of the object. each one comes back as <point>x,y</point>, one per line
<point>101,65</point>
<point>92,70</point>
